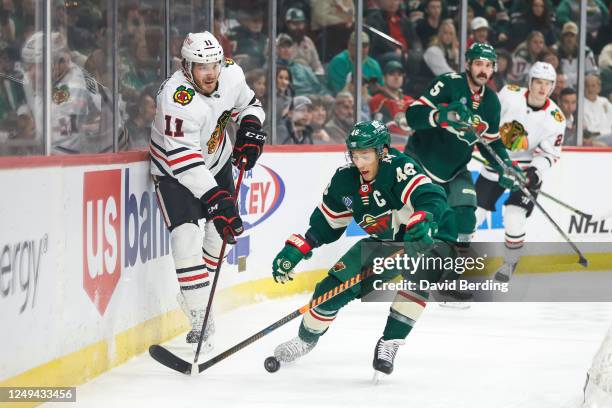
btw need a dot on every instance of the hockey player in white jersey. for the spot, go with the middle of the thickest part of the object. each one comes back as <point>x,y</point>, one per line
<point>76,99</point>
<point>191,164</point>
<point>532,128</point>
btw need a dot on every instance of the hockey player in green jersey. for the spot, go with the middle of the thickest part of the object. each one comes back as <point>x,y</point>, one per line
<point>446,119</point>
<point>388,195</point>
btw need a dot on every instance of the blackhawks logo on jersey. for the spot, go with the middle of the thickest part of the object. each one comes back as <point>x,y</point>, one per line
<point>229,61</point>
<point>183,95</point>
<point>557,115</point>
<point>374,225</point>
<point>514,88</point>
<point>60,95</point>
<point>215,138</point>
<point>514,136</point>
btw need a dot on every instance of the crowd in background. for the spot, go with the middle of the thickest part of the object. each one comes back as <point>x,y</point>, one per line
<point>405,45</point>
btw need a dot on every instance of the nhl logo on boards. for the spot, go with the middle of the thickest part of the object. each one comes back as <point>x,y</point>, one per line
<point>183,95</point>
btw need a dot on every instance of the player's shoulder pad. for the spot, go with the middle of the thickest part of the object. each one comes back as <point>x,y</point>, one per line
<point>232,70</point>
<point>178,93</point>
<point>345,177</point>
<point>397,161</point>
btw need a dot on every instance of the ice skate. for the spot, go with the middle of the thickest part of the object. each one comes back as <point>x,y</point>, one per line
<point>292,350</point>
<point>196,319</point>
<point>384,354</point>
<point>504,273</point>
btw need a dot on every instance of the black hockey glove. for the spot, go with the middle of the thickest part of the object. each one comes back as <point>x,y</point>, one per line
<point>221,209</point>
<point>533,180</point>
<point>250,139</point>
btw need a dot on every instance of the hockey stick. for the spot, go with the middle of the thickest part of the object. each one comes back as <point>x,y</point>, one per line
<point>162,354</point>
<point>182,366</point>
<point>544,194</point>
<point>385,36</point>
<point>509,170</point>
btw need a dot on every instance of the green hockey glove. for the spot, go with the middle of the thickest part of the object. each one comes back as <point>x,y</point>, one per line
<point>296,248</point>
<point>509,180</point>
<point>418,233</point>
<point>455,115</point>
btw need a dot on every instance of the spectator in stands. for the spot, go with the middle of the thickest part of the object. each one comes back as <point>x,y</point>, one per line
<point>11,91</point>
<point>504,68</point>
<point>284,91</point>
<point>342,65</point>
<point>332,24</point>
<point>256,79</point>
<point>136,69</point>
<point>605,65</point>
<point>550,55</point>
<point>389,19</point>
<point>220,34</point>
<point>301,131</point>
<point>342,119</point>
<point>134,22</point>
<point>442,55</point>
<point>138,125</point>
<point>525,55</point>
<point>480,31</point>
<point>250,39</point>
<point>304,50</point>
<point>568,54</point>
<point>284,101</point>
<point>304,81</point>
<point>319,118</point>
<point>427,27</point>
<point>7,26</point>
<point>597,111</point>
<point>535,15</point>
<point>388,103</point>
<point>567,103</point>
<point>560,84</point>
<point>495,12</point>
<point>597,16</point>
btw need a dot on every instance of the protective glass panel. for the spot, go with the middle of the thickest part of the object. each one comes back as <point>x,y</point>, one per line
<point>21,78</point>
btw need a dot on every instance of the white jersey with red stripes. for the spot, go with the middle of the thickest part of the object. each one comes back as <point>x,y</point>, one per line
<point>188,137</point>
<point>543,130</point>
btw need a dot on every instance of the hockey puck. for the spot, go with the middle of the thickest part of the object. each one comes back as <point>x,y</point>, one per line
<point>271,364</point>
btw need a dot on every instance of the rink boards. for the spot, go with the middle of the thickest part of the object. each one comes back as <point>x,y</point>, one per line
<point>86,277</point>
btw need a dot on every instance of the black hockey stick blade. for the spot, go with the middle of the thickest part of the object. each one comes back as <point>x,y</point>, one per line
<point>165,357</point>
<point>583,261</point>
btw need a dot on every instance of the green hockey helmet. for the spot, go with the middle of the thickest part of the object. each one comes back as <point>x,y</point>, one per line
<point>369,135</point>
<point>483,52</point>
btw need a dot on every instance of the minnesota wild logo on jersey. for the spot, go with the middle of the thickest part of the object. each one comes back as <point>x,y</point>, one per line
<point>374,225</point>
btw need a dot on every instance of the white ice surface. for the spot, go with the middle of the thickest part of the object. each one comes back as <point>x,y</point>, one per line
<point>502,355</point>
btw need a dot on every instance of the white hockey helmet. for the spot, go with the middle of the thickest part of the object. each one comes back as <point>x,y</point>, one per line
<point>542,70</point>
<point>32,51</point>
<point>200,48</point>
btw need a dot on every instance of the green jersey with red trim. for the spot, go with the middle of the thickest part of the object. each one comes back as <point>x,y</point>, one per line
<point>383,206</point>
<point>444,152</point>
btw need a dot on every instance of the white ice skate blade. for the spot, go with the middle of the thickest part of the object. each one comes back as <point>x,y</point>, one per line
<point>377,377</point>
<point>455,305</point>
